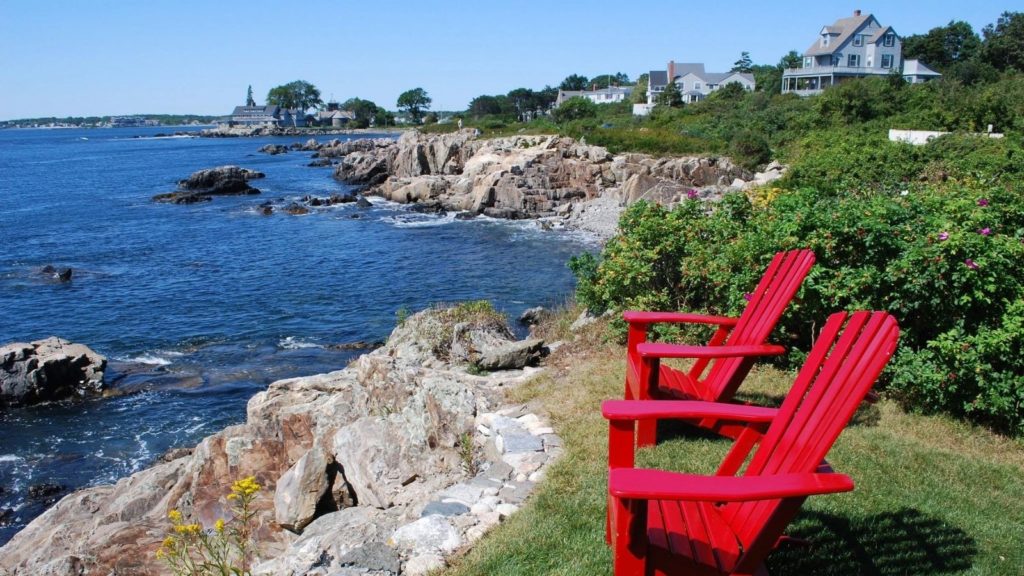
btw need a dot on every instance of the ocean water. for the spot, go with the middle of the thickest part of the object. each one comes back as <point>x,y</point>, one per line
<point>199,307</point>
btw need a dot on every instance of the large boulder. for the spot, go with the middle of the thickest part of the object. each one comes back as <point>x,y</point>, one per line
<point>219,181</point>
<point>48,370</point>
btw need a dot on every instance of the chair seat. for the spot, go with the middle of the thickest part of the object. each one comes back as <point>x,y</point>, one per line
<point>677,385</point>
<point>690,538</point>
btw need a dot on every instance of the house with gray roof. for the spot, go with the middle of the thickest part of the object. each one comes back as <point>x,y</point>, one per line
<point>694,82</point>
<point>268,116</point>
<point>607,95</point>
<point>854,47</point>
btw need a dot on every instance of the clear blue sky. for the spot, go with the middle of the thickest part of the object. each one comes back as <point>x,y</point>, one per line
<point>99,57</point>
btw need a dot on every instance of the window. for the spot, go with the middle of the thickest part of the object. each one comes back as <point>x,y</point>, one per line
<point>858,40</point>
<point>853,60</point>
<point>808,61</point>
<point>696,85</point>
<point>837,60</point>
<point>890,40</point>
<point>886,60</point>
<point>824,39</point>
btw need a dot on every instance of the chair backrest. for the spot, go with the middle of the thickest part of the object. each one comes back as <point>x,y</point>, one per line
<point>769,300</point>
<point>842,367</point>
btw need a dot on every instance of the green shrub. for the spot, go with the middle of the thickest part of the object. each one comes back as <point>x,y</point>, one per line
<point>944,258</point>
<point>574,109</point>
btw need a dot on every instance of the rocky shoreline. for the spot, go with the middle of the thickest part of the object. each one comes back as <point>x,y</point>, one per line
<point>385,467</point>
<point>560,181</point>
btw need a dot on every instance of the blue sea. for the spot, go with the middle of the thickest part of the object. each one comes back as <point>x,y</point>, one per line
<point>199,307</point>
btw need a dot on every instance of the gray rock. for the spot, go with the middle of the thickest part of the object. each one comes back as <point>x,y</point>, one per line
<point>534,316</point>
<point>428,534</point>
<point>444,509</point>
<point>219,181</point>
<point>299,490</point>
<point>512,356</point>
<point>372,556</point>
<point>48,370</point>
<point>274,149</point>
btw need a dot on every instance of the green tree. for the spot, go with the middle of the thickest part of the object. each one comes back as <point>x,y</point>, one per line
<point>1004,42</point>
<point>744,64</point>
<point>574,109</point>
<point>485,105</point>
<point>606,80</point>
<point>414,102</point>
<point>298,95</point>
<point>364,111</point>
<point>944,46</point>
<point>640,90</point>
<point>574,82</point>
<point>670,96</point>
<point>249,101</point>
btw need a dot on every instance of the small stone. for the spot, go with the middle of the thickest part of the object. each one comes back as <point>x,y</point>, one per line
<point>428,534</point>
<point>449,508</point>
<point>506,510</point>
<point>423,564</point>
<point>552,441</point>
<point>491,501</point>
<point>536,476</point>
<point>480,508</point>
<point>484,430</point>
<point>528,420</point>
<point>498,471</point>
<point>542,430</point>
<point>516,493</point>
<point>463,493</point>
<point>491,491</point>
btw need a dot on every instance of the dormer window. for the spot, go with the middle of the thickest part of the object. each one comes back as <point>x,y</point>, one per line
<point>858,40</point>
<point>808,61</point>
<point>824,40</point>
<point>889,40</point>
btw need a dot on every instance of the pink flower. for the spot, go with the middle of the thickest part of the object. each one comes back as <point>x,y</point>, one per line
<point>970,264</point>
<point>748,296</point>
<point>985,231</point>
<point>982,201</point>
<point>943,236</point>
<point>691,194</point>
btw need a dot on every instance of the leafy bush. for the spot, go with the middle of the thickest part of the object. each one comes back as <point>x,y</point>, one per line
<point>943,257</point>
<point>574,109</point>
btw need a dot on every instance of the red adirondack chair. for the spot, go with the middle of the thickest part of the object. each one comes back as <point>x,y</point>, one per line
<point>667,523</point>
<point>728,356</point>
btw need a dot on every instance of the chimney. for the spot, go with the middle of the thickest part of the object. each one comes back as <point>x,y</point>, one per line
<point>856,12</point>
<point>671,70</point>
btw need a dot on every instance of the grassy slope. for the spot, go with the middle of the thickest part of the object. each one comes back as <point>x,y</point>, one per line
<point>933,496</point>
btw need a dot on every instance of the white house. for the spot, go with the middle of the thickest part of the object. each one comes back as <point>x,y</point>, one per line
<point>693,81</point>
<point>608,95</point>
<point>269,115</point>
<point>915,72</point>
<point>854,47</point>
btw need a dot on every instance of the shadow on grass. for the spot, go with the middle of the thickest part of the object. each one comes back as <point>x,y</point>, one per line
<point>904,542</point>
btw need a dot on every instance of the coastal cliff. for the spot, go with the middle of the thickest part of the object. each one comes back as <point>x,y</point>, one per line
<point>519,177</point>
<point>386,466</point>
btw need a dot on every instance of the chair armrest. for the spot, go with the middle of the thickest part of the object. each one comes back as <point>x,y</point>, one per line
<point>662,350</point>
<point>685,410</point>
<point>638,317</point>
<point>648,484</point>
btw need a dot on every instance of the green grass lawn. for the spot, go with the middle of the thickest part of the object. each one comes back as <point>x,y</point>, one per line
<point>933,496</point>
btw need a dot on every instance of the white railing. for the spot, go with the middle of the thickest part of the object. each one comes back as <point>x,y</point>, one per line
<point>823,70</point>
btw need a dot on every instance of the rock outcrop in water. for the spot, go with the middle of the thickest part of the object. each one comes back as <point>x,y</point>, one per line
<point>201,186</point>
<point>384,467</point>
<point>524,176</point>
<point>48,370</point>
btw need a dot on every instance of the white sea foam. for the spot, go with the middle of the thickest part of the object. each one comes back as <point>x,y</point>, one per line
<point>10,458</point>
<point>293,343</point>
<point>419,220</point>
<point>155,358</point>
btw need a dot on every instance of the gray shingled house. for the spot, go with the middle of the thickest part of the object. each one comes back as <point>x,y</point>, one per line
<point>853,47</point>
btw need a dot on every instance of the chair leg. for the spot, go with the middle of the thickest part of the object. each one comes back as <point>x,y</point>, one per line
<point>646,433</point>
<point>628,546</point>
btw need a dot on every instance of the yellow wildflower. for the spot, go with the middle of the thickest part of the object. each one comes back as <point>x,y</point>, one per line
<point>245,487</point>
<point>168,542</point>
<point>219,526</point>
<point>175,516</point>
<point>160,554</point>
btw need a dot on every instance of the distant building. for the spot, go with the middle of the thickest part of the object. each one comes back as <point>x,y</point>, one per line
<point>695,84</point>
<point>854,47</point>
<point>607,95</point>
<point>334,116</point>
<point>132,121</point>
<point>268,116</point>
